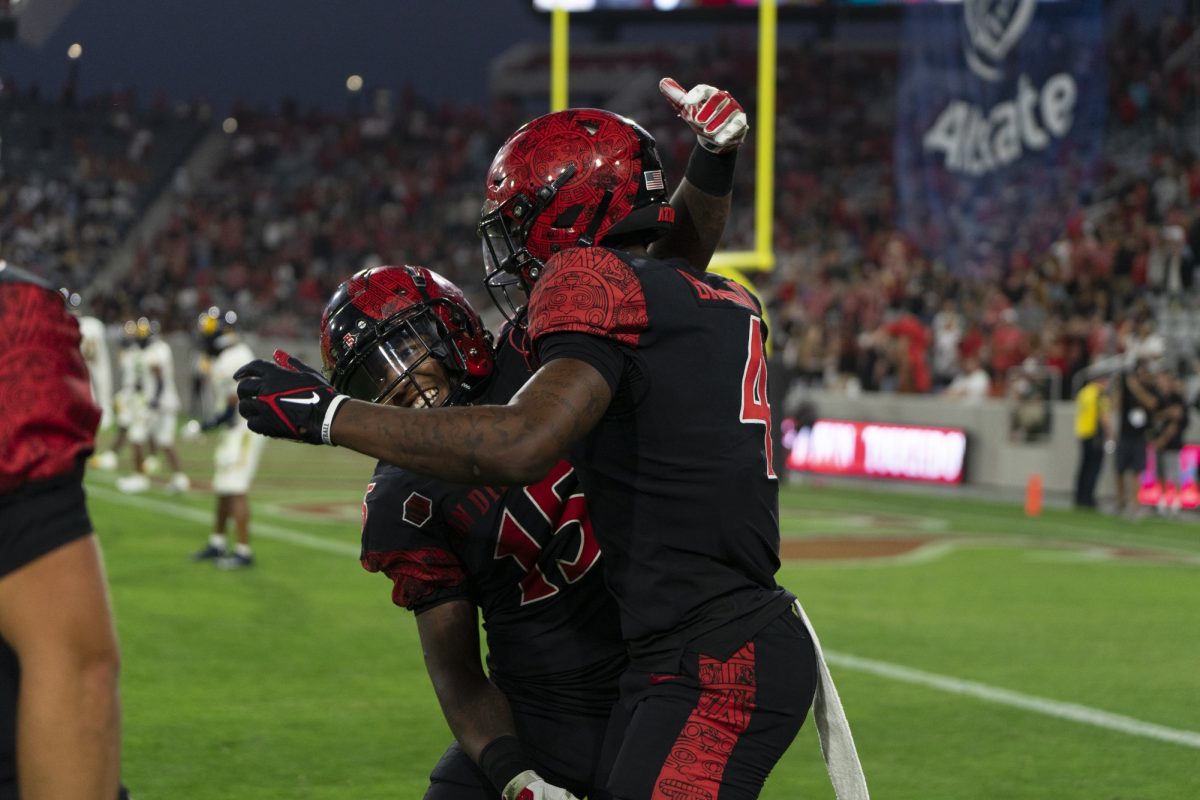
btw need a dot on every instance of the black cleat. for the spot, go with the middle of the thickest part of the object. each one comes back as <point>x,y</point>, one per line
<point>235,561</point>
<point>209,553</point>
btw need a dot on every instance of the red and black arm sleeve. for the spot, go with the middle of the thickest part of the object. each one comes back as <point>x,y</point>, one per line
<point>402,539</point>
<point>47,416</point>
<point>589,304</point>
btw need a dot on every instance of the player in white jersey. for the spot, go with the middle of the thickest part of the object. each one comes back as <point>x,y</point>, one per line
<point>127,398</point>
<point>94,346</point>
<point>237,455</point>
<point>154,410</point>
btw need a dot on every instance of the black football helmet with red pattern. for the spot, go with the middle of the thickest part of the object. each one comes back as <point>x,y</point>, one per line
<point>573,178</point>
<point>383,322</point>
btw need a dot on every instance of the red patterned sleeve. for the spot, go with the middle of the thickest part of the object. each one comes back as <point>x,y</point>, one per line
<point>421,577</point>
<point>589,290</point>
<point>47,416</point>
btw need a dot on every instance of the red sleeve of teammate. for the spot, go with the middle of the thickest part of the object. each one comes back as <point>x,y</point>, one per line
<point>588,290</point>
<point>421,578</point>
<point>402,538</point>
<point>47,416</point>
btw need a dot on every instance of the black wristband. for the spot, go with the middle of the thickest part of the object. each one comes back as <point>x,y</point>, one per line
<point>711,173</point>
<point>502,760</point>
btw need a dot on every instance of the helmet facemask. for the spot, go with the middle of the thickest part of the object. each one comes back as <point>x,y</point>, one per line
<point>505,230</point>
<point>384,363</point>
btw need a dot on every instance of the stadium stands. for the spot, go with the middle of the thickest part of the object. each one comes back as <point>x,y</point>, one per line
<point>297,200</point>
<point>76,176</point>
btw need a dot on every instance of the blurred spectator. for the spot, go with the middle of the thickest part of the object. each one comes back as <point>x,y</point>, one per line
<point>911,340</point>
<point>1093,429</point>
<point>1172,265</point>
<point>971,385</point>
<point>1135,401</point>
<point>947,335</point>
<point>1170,423</point>
<point>1029,393</point>
<point>1008,347</point>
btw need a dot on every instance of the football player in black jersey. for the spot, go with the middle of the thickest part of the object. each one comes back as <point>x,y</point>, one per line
<point>651,378</point>
<point>500,549</point>
<point>525,556</point>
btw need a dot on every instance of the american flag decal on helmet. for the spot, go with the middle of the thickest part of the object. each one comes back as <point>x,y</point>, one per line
<point>654,180</point>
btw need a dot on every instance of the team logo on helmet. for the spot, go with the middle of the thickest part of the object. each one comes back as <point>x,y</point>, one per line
<point>991,29</point>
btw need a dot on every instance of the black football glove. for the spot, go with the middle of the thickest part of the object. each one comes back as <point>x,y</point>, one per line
<point>287,399</point>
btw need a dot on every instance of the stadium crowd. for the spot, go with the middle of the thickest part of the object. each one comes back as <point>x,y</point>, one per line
<point>302,198</point>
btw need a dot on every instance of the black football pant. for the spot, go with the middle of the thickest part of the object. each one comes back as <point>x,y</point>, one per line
<point>715,730</point>
<point>1091,459</point>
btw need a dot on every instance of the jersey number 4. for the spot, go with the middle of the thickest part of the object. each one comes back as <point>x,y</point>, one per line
<point>556,516</point>
<point>755,409</point>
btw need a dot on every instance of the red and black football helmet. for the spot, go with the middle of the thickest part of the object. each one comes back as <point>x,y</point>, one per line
<point>573,178</point>
<point>383,322</point>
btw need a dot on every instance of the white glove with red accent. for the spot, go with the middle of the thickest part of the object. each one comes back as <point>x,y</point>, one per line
<point>719,121</point>
<point>530,786</point>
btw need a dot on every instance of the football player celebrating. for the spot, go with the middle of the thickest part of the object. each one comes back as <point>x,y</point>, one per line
<point>553,639</point>
<point>651,377</point>
<point>525,556</point>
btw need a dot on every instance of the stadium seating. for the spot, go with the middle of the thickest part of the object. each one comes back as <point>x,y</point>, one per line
<point>297,200</point>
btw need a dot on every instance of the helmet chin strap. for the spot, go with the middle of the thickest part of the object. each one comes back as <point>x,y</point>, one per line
<point>547,192</point>
<point>589,237</point>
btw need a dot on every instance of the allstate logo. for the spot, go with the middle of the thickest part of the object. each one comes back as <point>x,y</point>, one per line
<point>991,29</point>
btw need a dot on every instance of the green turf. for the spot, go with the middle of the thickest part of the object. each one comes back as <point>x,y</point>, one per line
<point>299,679</point>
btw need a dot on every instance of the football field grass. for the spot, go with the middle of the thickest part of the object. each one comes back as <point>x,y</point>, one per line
<point>979,653</point>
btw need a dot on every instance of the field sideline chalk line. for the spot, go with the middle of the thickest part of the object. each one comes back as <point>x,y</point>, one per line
<point>943,683</point>
<point>1040,705</point>
<point>262,530</point>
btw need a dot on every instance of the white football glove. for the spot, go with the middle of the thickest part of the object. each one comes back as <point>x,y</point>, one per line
<point>717,118</point>
<point>530,786</point>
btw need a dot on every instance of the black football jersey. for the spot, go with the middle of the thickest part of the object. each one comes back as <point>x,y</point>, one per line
<point>526,556</point>
<point>678,473</point>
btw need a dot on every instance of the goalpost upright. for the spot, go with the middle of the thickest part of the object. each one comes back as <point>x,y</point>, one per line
<point>731,262</point>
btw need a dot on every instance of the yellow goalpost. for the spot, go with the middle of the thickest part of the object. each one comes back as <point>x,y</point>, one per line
<point>730,262</point>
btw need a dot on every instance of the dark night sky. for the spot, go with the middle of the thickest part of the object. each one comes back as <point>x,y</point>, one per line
<point>266,49</point>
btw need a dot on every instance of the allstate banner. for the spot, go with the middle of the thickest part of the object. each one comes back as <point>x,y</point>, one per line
<point>1000,122</point>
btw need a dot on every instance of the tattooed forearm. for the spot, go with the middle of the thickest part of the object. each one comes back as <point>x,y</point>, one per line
<point>490,445</point>
<point>699,224</point>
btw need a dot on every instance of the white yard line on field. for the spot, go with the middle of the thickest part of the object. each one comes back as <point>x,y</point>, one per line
<point>262,530</point>
<point>1040,705</point>
<point>884,669</point>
